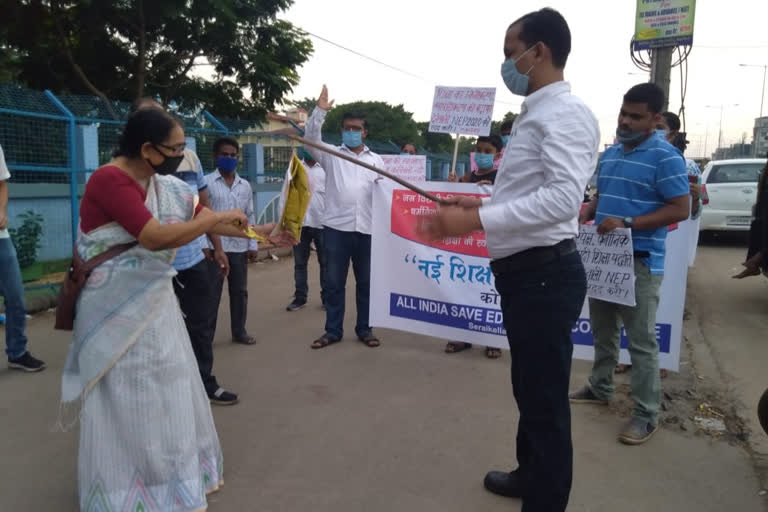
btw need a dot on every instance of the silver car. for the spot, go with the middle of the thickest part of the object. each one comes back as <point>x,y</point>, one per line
<point>728,193</point>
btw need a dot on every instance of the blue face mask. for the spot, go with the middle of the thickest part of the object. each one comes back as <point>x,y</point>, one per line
<point>226,164</point>
<point>516,81</point>
<point>484,161</point>
<point>628,137</point>
<point>505,139</point>
<point>352,139</point>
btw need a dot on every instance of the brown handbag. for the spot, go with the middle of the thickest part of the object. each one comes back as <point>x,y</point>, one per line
<point>77,276</point>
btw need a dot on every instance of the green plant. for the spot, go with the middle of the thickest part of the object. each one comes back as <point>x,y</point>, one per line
<point>26,238</point>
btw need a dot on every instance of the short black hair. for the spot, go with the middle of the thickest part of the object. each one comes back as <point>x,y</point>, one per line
<point>673,121</point>
<point>549,27</point>
<point>145,125</point>
<point>408,144</point>
<point>225,141</point>
<point>492,139</point>
<point>648,93</point>
<point>506,126</point>
<point>138,102</point>
<point>354,115</point>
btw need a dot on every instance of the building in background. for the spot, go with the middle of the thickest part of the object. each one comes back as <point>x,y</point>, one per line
<point>760,137</point>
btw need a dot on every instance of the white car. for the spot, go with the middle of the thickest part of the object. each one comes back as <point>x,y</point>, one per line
<point>728,192</point>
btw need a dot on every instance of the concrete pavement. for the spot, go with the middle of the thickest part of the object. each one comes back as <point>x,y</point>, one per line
<point>402,427</point>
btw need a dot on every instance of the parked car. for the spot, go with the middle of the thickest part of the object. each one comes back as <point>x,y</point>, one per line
<point>728,192</point>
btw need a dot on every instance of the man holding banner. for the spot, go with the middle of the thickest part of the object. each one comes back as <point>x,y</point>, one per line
<point>530,223</point>
<point>642,185</point>
<point>347,221</point>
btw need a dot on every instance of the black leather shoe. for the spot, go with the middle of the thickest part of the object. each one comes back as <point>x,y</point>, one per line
<point>503,484</point>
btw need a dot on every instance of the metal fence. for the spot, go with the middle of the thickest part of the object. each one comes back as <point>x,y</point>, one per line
<point>52,143</point>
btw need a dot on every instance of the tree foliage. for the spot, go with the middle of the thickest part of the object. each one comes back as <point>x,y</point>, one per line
<point>125,49</point>
<point>385,122</point>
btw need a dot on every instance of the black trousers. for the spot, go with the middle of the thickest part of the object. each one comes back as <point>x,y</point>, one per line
<point>237,283</point>
<point>541,304</point>
<point>194,288</point>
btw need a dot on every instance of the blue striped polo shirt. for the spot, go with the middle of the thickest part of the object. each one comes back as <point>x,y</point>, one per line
<point>638,182</point>
<point>191,172</point>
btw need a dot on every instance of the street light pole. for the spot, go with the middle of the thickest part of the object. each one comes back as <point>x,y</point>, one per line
<point>720,129</point>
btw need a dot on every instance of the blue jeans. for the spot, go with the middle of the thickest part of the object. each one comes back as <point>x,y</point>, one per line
<point>540,304</point>
<point>12,291</point>
<point>340,248</point>
<point>301,258</point>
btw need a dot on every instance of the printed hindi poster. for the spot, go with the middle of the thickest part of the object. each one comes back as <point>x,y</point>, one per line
<point>465,110</point>
<point>411,168</point>
<point>447,290</point>
<point>609,263</point>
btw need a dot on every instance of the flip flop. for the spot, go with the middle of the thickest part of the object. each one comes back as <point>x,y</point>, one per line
<point>454,347</point>
<point>249,340</point>
<point>492,352</point>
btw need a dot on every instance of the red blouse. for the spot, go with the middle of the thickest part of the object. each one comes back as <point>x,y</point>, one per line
<point>112,195</point>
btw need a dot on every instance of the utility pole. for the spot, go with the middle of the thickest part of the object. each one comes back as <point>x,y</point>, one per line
<point>661,69</point>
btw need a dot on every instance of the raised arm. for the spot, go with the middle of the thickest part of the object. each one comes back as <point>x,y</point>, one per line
<point>313,130</point>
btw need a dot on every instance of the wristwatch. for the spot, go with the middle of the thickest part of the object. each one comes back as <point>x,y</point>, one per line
<point>629,222</point>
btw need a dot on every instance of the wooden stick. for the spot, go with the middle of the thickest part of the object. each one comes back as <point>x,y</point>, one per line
<point>375,169</point>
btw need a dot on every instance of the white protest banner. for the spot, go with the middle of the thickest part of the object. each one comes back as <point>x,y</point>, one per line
<point>609,263</point>
<point>446,289</point>
<point>412,168</point>
<point>465,110</point>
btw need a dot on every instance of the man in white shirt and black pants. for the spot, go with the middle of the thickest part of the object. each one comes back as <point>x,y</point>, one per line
<point>530,223</point>
<point>346,222</point>
<point>311,232</point>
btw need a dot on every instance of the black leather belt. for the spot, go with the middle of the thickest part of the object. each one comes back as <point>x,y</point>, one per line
<point>642,254</point>
<point>533,257</point>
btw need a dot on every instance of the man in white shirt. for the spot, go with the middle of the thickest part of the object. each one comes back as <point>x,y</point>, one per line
<point>530,222</point>
<point>226,191</point>
<point>12,289</point>
<point>311,232</point>
<point>346,222</point>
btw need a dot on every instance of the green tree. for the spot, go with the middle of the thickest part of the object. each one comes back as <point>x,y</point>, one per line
<point>307,104</point>
<point>435,142</point>
<point>385,122</point>
<point>125,49</point>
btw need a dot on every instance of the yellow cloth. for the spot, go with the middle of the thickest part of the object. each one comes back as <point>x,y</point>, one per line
<point>295,198</point>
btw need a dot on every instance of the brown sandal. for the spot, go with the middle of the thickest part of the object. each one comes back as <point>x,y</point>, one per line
<point>492,352</point>
<point>323,341</point>
<point>369,340</point>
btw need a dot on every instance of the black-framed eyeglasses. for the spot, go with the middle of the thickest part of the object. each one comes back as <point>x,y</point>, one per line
<point>178,148</point>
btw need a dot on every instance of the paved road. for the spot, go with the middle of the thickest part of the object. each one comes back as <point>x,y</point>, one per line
<point>403,427</point>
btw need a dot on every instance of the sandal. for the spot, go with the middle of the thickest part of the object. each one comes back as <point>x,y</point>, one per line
<point>248,340</point>
<point>323,341</point>
<point>369,340</point>
<point>492,352</point>
<point>622,368</point>
<point>454,347</point>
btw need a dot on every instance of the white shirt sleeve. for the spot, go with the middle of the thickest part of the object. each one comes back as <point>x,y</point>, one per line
<point>4,173</point>
<point>313,131</point>
<point>567,151</point>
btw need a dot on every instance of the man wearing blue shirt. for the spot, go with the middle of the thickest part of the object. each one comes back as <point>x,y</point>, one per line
<point>642,185</point>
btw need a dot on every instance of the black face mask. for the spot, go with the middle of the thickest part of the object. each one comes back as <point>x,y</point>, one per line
<point>168,165</point>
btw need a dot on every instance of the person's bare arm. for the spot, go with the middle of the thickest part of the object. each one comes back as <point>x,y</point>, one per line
<point>156,236</point>
<point>3,204</point>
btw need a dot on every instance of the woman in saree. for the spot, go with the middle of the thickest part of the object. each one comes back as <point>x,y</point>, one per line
<point>147,437</point>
